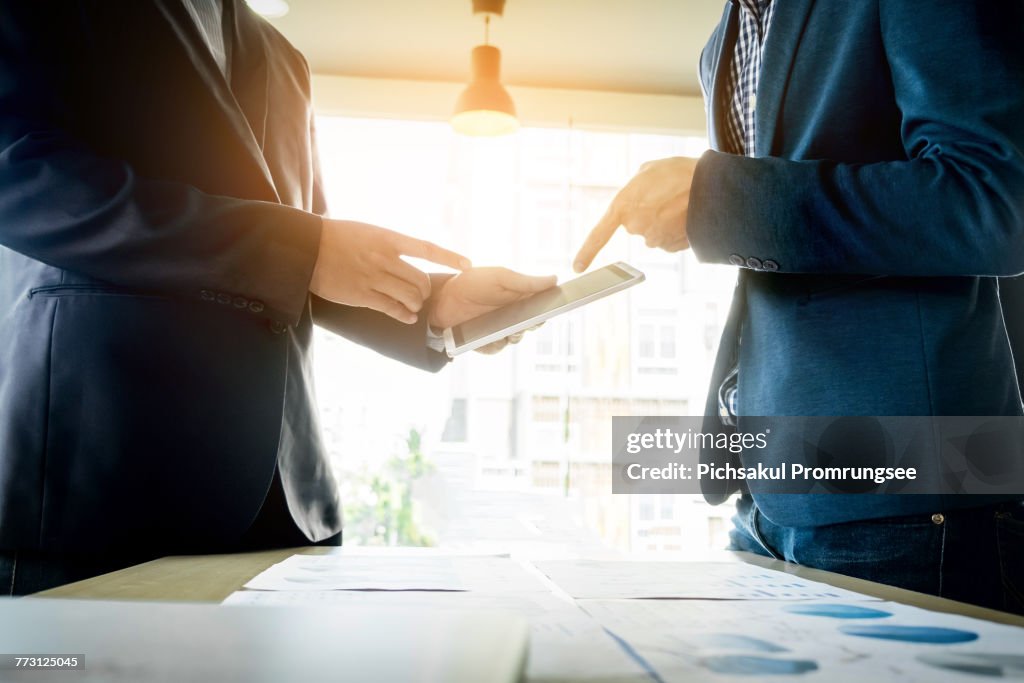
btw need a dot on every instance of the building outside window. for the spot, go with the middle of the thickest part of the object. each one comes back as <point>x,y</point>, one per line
<point>519,443</point>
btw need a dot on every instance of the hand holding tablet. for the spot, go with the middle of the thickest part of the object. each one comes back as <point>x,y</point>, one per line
<point>533,310</point>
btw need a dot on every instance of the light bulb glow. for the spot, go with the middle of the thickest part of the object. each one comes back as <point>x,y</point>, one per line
<point>485,108</point>
<point>484,123</point>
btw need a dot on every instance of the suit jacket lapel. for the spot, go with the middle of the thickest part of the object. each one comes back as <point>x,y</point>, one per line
<point>727,33</point>
<point>780,47</point>
<point>208,71</point>
<point>249,75</point>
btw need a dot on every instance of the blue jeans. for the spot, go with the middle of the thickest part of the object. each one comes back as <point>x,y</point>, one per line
<point>974,555</point>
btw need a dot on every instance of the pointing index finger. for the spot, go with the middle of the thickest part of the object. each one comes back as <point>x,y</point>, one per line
<point>432,252</point>
<point>597,238</point>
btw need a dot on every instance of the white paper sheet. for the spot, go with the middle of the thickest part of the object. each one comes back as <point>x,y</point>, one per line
<point>690,580</point>
<point>687,640</point>
<point>164,642</point>
<point>565,643</point>
<point>379,572</point>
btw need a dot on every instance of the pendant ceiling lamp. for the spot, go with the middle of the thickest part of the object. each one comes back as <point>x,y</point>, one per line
<point>485,107</point>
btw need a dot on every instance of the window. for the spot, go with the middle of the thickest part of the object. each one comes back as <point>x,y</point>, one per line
<point>524,434</point>
<point>668,506</point>
<point>455,426</point>
<point>556,347</point>
<point>645,335</point>
<point>668,342</point>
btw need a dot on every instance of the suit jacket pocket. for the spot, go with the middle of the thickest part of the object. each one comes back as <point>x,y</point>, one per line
<point>85,289</point>
<point>163,421</point>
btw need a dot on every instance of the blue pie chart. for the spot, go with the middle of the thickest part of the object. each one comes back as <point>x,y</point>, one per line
<point>838,611</point>
<point>910,634</point>
<point>751,665</point>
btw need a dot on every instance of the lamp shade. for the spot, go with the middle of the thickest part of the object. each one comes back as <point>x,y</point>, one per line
<point>485,107</point>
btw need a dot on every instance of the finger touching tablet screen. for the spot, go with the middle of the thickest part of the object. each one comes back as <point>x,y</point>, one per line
<point>533,310</point>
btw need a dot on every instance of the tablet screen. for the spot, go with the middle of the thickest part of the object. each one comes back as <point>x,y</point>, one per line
<point>541,306</point>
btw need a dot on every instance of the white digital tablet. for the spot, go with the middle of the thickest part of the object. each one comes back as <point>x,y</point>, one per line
<point>533,310</point>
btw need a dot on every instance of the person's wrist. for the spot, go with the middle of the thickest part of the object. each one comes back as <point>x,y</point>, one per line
<point>432,323</point>
<point>439,287</point>
<point>704,241</point>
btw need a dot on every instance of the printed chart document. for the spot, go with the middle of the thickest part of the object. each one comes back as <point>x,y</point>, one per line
<point>564,642</point>
<point>836,641</point>
<point>379,572</point>
<point>685,580</point>
<point>626,621</point>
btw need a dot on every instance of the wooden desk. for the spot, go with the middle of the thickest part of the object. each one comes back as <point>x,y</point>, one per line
<point>211,578</point>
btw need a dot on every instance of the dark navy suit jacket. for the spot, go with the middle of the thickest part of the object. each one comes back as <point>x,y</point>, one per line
<point>1011,293</point>
<point>158,231</point>
<point>886,201</point>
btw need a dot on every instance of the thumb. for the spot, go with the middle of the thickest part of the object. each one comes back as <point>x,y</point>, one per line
<point>527,284</point>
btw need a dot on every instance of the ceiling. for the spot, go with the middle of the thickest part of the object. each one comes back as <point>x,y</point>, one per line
<point>642,46</point>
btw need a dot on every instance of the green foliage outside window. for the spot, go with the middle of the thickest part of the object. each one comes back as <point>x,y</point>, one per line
<point>385,515</point>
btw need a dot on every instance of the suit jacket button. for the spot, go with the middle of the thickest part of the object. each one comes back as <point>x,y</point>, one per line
<point>770,265</point>
<point>277,327</point>
<point>737,260</point>
<point>754,262</point>
<point>207,295</point>
<point>240,302</point>
<point>256,306</point>
<point>223,298</point>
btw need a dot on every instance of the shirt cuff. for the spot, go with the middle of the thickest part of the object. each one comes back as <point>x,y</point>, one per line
<point>435,341</point>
